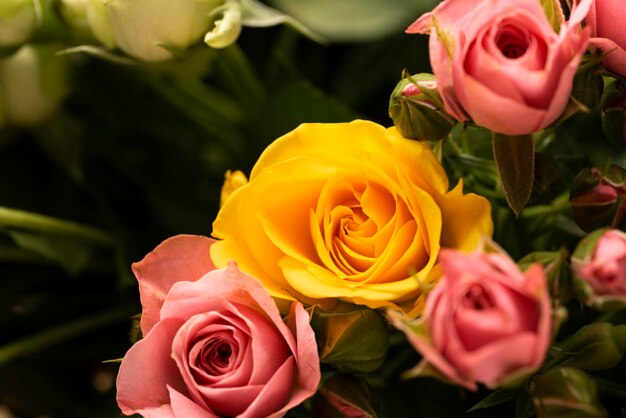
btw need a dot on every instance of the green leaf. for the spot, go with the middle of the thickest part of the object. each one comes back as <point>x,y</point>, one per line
<point>495,398</point>
<point>515,160</point>
<point>354,20</point>
<point>13,254</point>
<point>257,14</point>
<point>72,255</point>
<point>98,52</point>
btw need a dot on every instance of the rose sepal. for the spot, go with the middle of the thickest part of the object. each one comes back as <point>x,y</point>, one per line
<point>566,391</point>
<point>343,395</point>
<point>351,338</point>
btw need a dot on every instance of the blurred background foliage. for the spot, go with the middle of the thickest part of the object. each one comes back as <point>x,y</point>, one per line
<point>136,153</point>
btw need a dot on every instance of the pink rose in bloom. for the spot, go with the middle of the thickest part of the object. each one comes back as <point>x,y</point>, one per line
<point>500,62</point>
<point>485,322</point>
<point>606,20</point>
<point>605,269</point>
<point>214,342</point>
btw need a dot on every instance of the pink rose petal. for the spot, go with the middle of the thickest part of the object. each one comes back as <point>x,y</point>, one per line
<point>180,258</point>
<point>183,407</point>
<point>147,370</point>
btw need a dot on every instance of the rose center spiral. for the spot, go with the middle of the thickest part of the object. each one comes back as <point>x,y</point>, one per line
<point>217,353</point>
<point>512,41</point>
<point>477,299</point>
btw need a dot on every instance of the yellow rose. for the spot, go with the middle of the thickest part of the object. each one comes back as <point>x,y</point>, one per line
<point>350,211</point>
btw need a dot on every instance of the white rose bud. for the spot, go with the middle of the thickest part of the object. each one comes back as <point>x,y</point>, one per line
<point>91,15</point>
<point>18,19</point>
<point>151,29</point>
<point>33,82</point>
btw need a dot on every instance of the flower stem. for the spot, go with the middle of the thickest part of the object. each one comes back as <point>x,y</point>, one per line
<point>241,76</point>
<point>14,218</point>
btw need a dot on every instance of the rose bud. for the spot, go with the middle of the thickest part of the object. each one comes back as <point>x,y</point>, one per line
<point>168,27</point>
<point>614,113</point>
<point>351,338</point>
<point>599,265</point>
<point>33,83</point>
<point>417,110</point>
<point>89,15</point>
<point>566,392</point>
<point>344,396</point>
<point>18,20</point>
<point>606,21</point>
<point>597,197</point>
<point>485,322</point>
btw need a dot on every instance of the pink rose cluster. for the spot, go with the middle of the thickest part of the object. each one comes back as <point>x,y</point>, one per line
<point>485,322</point>
<point>214,342</point>
<point>501,64</point>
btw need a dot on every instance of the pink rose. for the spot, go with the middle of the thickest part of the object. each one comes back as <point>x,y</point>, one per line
<point>605,267</point>
<point>485,322</point>
<point>214,343</point>
<point>500,62</point>
<point>606,21</point>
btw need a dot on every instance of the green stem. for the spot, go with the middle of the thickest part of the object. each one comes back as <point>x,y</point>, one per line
<point>559,205</point>
<point>241,76</point>
<point>14,218</point>
<point>56,335</point>
<point>211,99</point>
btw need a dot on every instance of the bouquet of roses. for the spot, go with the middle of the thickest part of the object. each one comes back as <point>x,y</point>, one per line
<point>469,258</point>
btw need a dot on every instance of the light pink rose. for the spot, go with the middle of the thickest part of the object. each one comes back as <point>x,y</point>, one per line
<point>605,269</point>
<point>214,342</point>
<point>500,62</point>
<point>606,20</point>
<point>485,322</point>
